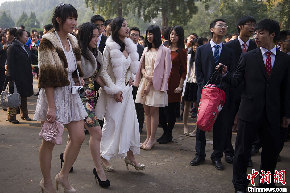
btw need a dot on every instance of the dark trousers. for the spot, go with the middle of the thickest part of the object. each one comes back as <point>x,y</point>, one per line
<point>139,109</point>
<point>271,146</point>
<point>219,136</point>
<point>2,79</point>
<point>233,110</point>
<point>167,118</point>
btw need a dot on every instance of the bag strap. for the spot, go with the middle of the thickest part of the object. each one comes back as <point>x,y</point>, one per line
<point>15,89</point>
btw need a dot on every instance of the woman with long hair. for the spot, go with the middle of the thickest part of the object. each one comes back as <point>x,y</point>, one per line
<point>121,130</point>
<point>175,83</point>
<point>59,63</point>
<point>155,66</point>
<point>88,34</point>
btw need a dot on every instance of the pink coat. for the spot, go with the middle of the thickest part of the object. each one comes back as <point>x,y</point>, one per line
<point>162,68</point>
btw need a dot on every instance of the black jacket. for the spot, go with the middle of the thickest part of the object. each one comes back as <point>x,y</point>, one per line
<point>205,66</point>
<point>19,68</point>
<point>262,95</point>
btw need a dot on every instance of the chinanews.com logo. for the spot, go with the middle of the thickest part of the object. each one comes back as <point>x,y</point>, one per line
<point>265,177</point>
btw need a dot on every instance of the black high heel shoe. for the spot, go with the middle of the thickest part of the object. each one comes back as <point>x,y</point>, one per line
<point>103,184</point>
<point>61,162</point>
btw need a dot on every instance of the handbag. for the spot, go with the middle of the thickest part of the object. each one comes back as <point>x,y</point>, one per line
<point>211,103</point>
<point>52,132</point>
<point>10,100</point>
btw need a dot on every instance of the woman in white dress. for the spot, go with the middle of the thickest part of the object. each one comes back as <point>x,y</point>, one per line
<point>120,135</point>
<point>59,62</point>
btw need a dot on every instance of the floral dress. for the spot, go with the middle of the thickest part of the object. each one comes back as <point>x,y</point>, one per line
<point>89,100</point>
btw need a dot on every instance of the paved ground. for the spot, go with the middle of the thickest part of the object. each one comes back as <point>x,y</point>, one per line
<point>167,166</point>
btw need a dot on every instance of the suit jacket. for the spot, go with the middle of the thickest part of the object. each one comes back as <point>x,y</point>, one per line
<point>263,95</point>
<point>140,50</point>
<point>162,68</point>
<point>102,43</point>
<point>235,46</point>
<point>205,66</point>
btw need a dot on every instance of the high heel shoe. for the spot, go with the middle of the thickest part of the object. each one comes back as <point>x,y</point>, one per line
<point>41,184</point>
<point>107,168</point>
<point>136,166</point>
<point>58,181</point>
<point>61,163</point>
<point>43,189</point>
<point>103,184</point>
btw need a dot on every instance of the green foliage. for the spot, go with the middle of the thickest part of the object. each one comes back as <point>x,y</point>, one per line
<point>22,19</point>
<point>6,21</point>
<point>31,22</point>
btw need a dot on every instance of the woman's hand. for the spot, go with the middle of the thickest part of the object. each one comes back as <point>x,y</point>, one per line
<point>119,96</point>
<point>125,53</point>
<point>51,115</point>
<point>178,90</point>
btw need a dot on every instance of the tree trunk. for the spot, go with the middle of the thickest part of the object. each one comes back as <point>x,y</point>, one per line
<point>120,9</point>
<point>164,18</point>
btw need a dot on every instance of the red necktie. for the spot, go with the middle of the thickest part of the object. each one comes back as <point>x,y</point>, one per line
<point>244,48</point>
<point>268,63</point>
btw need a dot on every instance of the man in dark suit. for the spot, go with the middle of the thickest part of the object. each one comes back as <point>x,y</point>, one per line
<point>134,35</point>
<point>100,22</point>
<point>207,57</point>
<point>265,102</point>
<point>243,44</point>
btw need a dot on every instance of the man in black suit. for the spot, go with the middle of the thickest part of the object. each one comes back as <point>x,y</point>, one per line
<point>265,102</point>
<point>243,44</point>
<point>208,57</point>
<point>134,35</point>
<point>100,22</point>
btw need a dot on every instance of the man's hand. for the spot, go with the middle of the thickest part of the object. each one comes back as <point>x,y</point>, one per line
<point>285,122</point>
<point>119,96</point>
<point>224,68</point>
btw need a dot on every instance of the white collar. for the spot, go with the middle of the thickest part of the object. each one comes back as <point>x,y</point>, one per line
<point>273,50</point>
<point>242,42</point>
<point>212,44</point>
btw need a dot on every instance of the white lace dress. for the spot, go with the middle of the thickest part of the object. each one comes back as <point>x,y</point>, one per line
<point>69,107</point>
<point>120,132</point>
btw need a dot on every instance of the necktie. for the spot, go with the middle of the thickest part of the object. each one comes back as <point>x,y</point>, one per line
<point>244,48</point>
<point>216,55</point>
<point>268,63</point>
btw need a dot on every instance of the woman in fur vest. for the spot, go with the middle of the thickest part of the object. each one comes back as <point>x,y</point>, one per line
<point>121,130</point>
<point>59,63</point>
<point>88,37</point>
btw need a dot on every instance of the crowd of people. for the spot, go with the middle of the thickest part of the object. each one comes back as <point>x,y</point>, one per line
<point>104,78</point>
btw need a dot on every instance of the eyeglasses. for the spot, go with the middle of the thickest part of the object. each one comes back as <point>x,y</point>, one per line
<point>221,26</point>
<point>136,35</point>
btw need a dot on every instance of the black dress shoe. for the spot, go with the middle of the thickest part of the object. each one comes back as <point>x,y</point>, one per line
<point>161,138</point>
<point>61,163</point>
<point>14,121</point>
<point>218,164</point>
<point>26,118</point>
<point>229,159</point>
<point>197,161</point>
<point>165,140</point>
<point>103,184</point>
<point>250,163</point>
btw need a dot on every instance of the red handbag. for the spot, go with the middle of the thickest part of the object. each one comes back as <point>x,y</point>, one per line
<point>211,103</point>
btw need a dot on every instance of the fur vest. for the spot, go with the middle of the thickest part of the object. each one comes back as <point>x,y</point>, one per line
<point>115,62</point>
<point>90,65</point>
<point>52,61</point>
